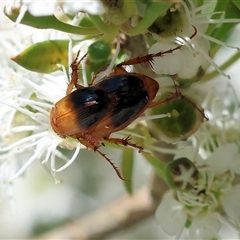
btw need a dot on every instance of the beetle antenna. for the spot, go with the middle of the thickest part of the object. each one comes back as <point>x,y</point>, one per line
<point>112,164</point>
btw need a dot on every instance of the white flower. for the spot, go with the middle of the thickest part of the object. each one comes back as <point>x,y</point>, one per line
<point>188,30</point>
<point>222,109</point>
<point>41,8</point>
<point>205,227</point>
<point>214,150</point>
<point>231,205</point>
<point>208,202</point>
<point>26,99</point>
<point>171,215</point>
<point>30,124</point>
<point>185,63</point>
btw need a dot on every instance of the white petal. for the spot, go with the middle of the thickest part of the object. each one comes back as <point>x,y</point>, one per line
<point>231,205</point>
<point>206,227</point>
<point>171,216</point>
<point>91,7</point>
<point>188,152</point>
<point>42,8</point>
<point>223,158</point>
<point>183,62</point>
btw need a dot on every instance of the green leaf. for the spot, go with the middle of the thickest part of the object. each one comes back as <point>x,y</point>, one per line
<point>220,6</point>
<point>127,168</point>
<point>237,3</point>
<point>223,31</point>
<point>44,57</point>
<point>50,21</point>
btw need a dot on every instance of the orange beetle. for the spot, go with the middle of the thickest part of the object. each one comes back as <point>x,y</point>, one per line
<point>91,114</point>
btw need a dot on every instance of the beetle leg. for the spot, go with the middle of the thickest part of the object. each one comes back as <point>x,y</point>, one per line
<point>199,109</point>
<point>173,96</point>
<point>149,57</point>
<point>95,76</point>
<point>94,147</point>
<point>112,164</point>
<point>166,100</point>
<point>116,70</point>
<point>74,75</point>
<point>124,142</point>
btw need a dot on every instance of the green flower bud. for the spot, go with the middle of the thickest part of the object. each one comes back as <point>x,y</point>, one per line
<point>184,118</point>
<point>99,51</point>
<point>181,175</point>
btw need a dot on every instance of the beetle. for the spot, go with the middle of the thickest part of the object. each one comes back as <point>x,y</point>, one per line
<point>91,114</point>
